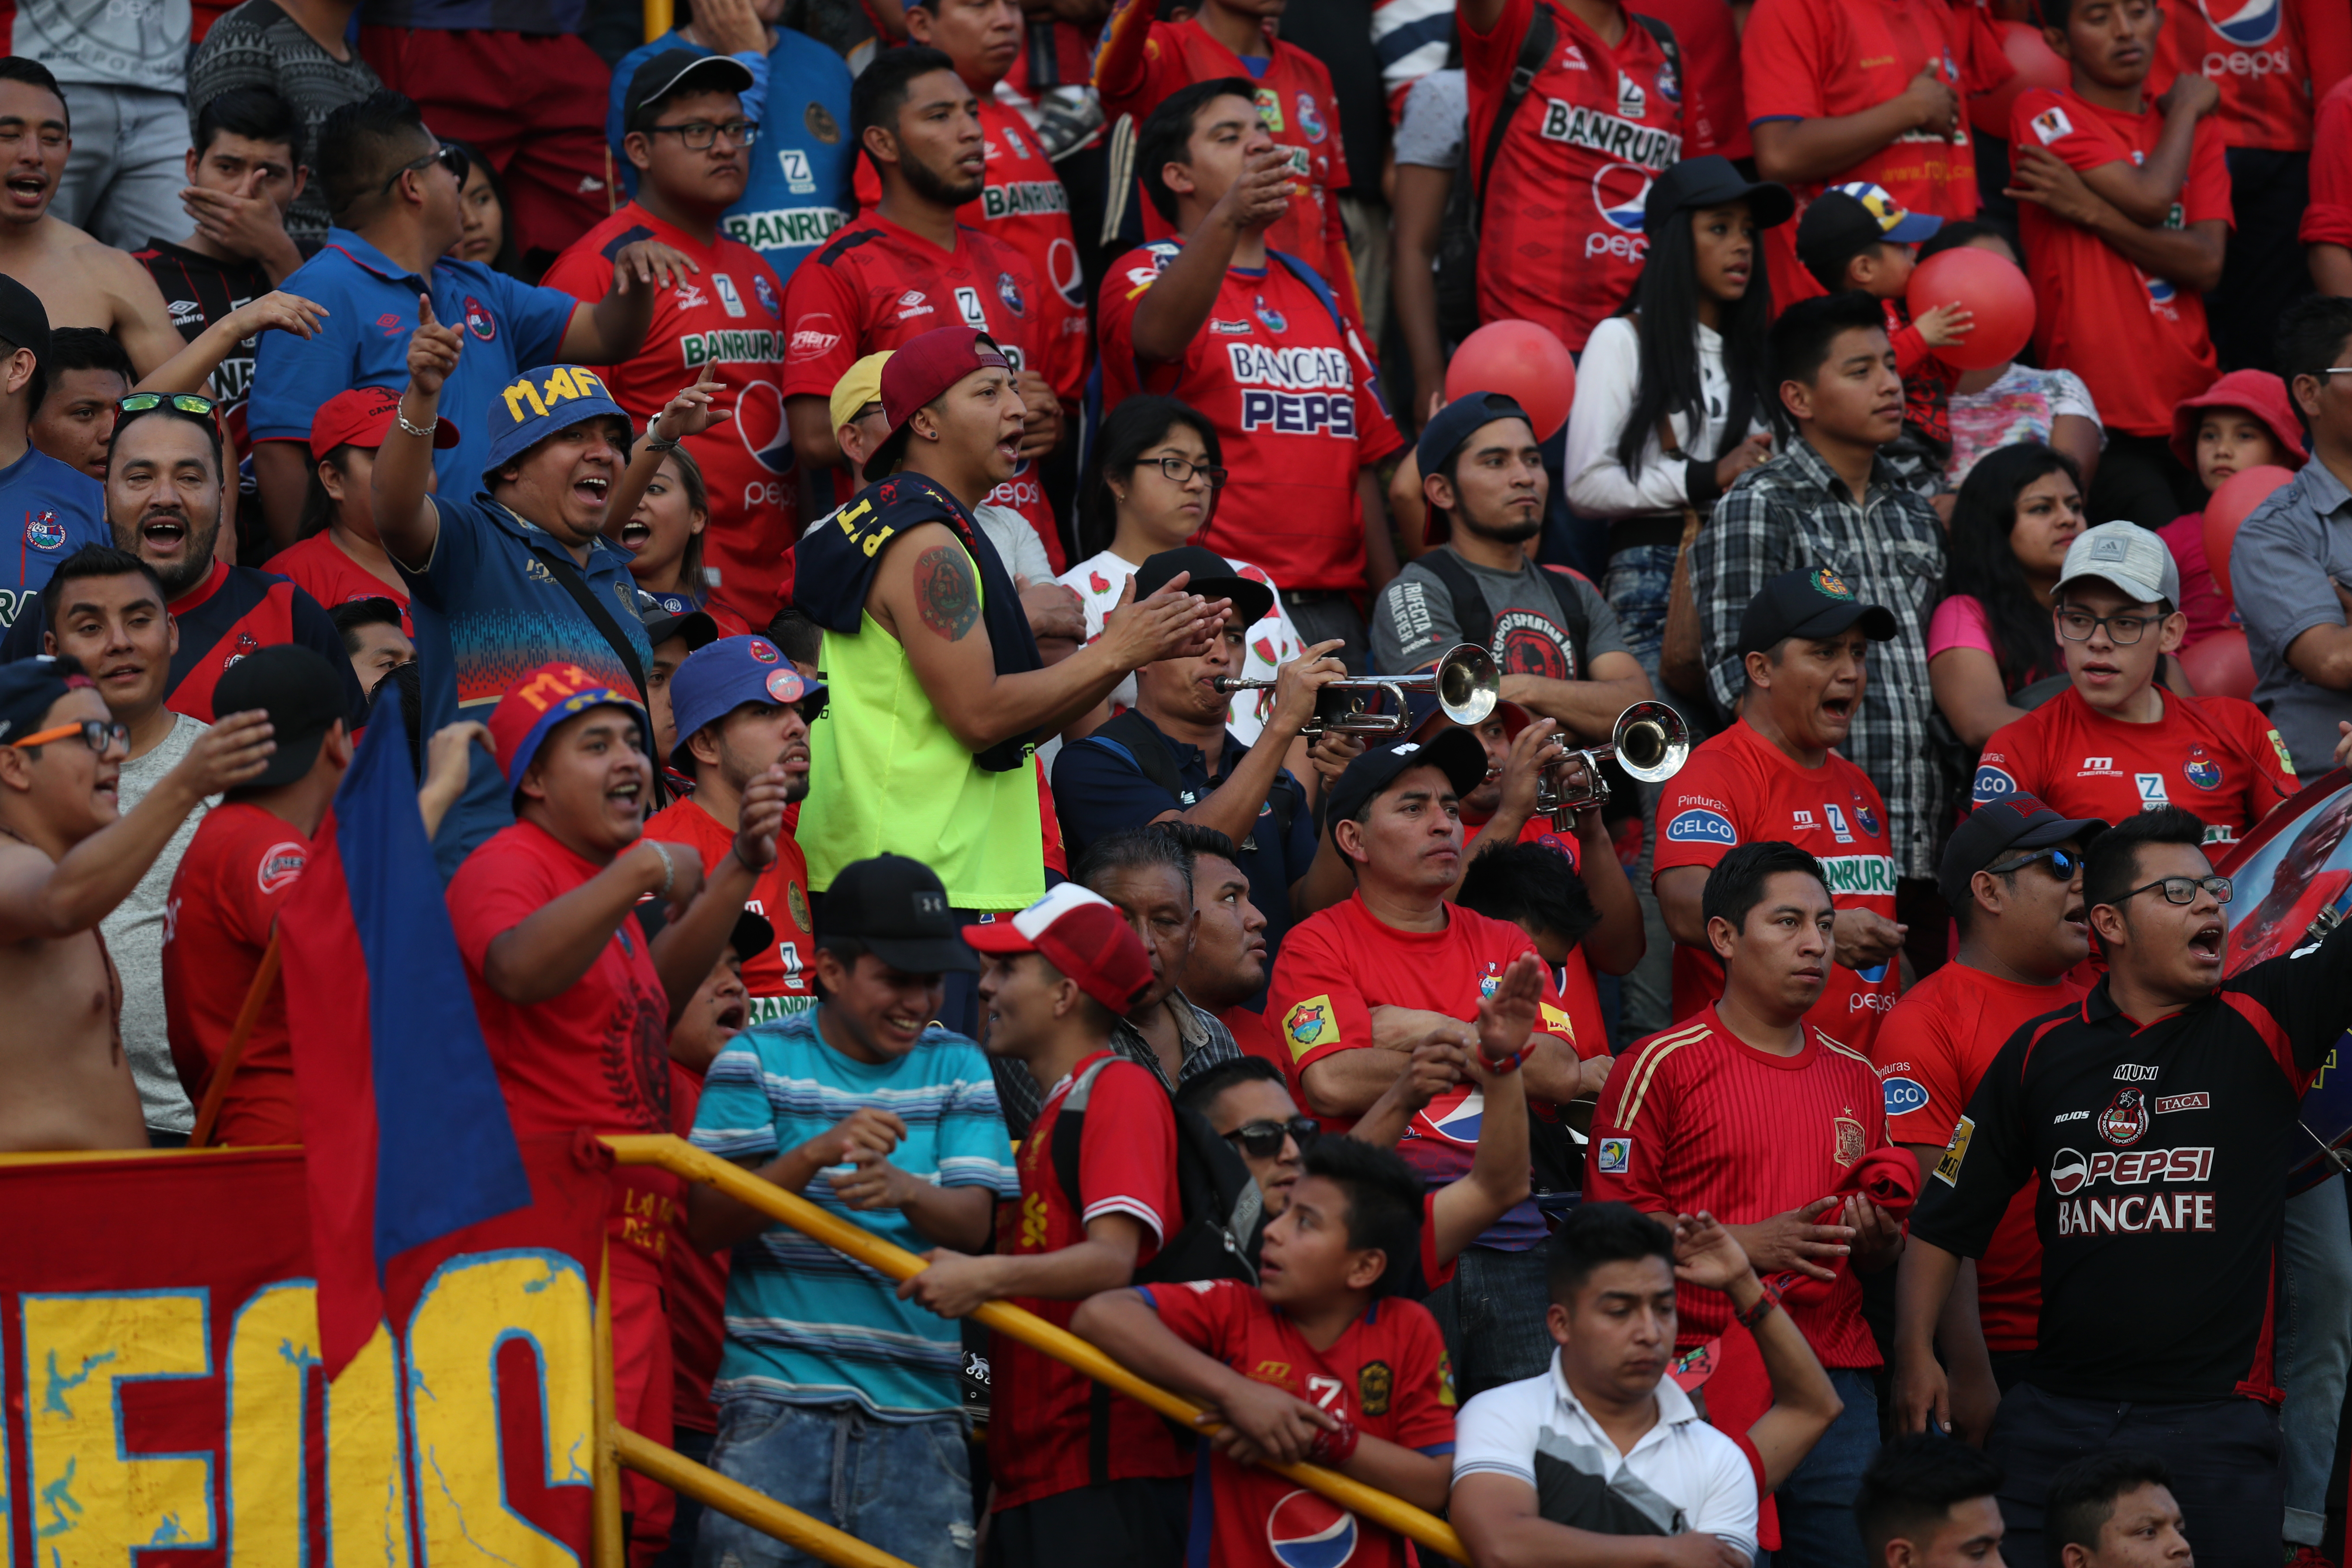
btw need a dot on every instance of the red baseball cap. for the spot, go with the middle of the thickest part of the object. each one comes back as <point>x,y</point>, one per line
<point>362,418</point>
<point>918,373</point>
<point>1082,934</point>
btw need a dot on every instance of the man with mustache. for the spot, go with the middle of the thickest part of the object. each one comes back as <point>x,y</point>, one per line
<point>2153,1118</point>
<point>742,714</point>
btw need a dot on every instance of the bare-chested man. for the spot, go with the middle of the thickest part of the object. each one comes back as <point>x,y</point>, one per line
<point>83,282</point>
<point>66,859</point>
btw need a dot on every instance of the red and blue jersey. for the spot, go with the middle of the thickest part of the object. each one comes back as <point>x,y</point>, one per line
<point>49,510</point>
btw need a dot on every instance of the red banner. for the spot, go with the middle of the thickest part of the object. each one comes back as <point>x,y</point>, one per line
<point>164,1403</point>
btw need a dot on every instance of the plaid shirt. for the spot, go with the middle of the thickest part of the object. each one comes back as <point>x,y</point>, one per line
<point>1794,511</point>
<point>1206,1042</point>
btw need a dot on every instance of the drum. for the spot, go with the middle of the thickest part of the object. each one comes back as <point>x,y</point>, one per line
<point>2295,868</point>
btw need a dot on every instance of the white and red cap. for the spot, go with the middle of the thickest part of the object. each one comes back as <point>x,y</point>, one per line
<point>1082,934</point>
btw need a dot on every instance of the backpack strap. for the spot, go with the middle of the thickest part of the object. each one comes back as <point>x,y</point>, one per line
<point>1563,581</point>
<point>1668,45</point>
<point>1131,733</point>
<point>1534,49</point>
<point>1069,1129</point>
<point>1475,622</point>
<point>1315,286</point>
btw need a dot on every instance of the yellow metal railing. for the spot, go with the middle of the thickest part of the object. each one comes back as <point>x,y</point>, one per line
<point>658,14</point>
<point>680,1158</point>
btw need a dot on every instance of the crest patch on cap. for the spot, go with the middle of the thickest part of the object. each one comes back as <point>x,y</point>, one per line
<point>1831,585</point>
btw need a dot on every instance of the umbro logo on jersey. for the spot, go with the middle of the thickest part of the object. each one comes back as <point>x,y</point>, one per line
<point>186,312</point>
<point>913,303</point>
<point>1572,58</point>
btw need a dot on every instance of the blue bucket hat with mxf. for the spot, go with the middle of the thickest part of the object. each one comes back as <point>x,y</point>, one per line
<point>538,402</point>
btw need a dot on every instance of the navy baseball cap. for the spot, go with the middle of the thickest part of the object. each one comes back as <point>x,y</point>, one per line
<point>538,402</point>
<point>1456,753</point>
<point>1457,422</point>
<point>1812,602</point>
<point>717,680</point>
<point>1990,833</point>
<point>29,688</point>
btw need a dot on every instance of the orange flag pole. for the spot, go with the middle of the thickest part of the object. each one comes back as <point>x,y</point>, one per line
<point>247,1017</point>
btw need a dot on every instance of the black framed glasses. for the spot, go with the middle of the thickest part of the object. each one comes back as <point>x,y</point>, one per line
<point>2183,889</point>
<point>100,735</point>
<point>2063,863</point>
<point>700,135</point>
<point>1263,1140</point>
<point>452,158</point>
<point>2076,626</point>
<point>1179,470</point>
<point>184,401</point>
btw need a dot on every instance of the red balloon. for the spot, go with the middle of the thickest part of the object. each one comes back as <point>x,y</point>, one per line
<point>1519,360</point>
<point>2036,66</point>
<point>1991,287</point>
<point>2220,664</point>
<point>2233,501</point>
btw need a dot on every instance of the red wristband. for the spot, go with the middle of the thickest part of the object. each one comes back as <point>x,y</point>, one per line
<point>1506,1064</point>
<point>1334,1448</point>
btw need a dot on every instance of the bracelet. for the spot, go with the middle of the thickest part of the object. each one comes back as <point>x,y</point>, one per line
<point>669,867</point>
<point>1749,1317</point>
<point>1506,1064</point>
<point>655,444</point>
<point>400,416</point>
<point>1334,1448</point>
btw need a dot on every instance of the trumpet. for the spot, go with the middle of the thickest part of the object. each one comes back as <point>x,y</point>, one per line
<point>1466,683</point>
<point>1650,742</point>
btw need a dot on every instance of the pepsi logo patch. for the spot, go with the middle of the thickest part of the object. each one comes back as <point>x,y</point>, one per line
<point>785,685</point>
<point>1453,1116</point>
<point>1306,1530</point>
<point>281,865</point>
<point>1620,192</point>
<point>1614,1156</point>
<point>1992,785</point>
<point>2250,23</point>
<point>43,531</point>
<point>1905,1094</point>
<point>479,321</point>
<point>759,425</point>
<point>1702,827</point>
<point>763,650</point>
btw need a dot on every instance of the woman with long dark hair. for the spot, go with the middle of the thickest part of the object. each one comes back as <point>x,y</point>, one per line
<point>1672,399</point>
<point>1991,635</point>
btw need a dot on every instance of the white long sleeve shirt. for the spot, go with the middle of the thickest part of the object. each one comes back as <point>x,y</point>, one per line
<point>1607,379</point>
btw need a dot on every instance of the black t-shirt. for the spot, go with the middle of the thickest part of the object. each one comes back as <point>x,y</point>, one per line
<point>2162,1155</point>
<point>200,291</point>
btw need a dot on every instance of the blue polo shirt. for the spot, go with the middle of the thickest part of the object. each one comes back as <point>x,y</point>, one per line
<point>487,610</point>
<point>798,192</point>
<point>1099,789</point>
<point>510,327</point>
<point>49,510</point>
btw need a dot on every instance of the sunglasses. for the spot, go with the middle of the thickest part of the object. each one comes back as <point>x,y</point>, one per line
<point>2062,864</point>
<point>98,734</point>
<point>184,402</point>
<point>1263,1140</point>
<point>452,158</point>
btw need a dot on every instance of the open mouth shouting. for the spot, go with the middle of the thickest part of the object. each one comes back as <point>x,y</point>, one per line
<point>2205,946</point>
<point>164,534</point>
<point>27,188</point>
<point>592,490</point>
<point>636,536</point>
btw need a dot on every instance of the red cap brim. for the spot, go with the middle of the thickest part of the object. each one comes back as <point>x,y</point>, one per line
<point>997,936</point>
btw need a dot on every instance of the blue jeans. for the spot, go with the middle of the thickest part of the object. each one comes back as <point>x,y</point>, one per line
<point>2314,1347</point>
<point>903,1486</point>
<point>1817,1527</point>
<point>1492,1314</point>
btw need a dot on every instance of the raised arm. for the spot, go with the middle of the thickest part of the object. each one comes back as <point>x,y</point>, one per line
<point>691,413</point>
<point>405,516</point>
<point>686,947</point>
<point>1499,1178</point>
<point>545,954</point>
<point>1174,309</point>
<point>613,329</point>
<point>192,366</point>
<point>140,322</point>
<point>1804,1401</point>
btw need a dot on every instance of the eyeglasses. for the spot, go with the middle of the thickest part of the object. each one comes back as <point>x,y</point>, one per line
<point>2062,864</point>
<point>2076,626</point>
<point>1263,1140</point>
<point>2183,889</point>
<point>185,402</point>
<point>1179,470</point>
<point>698,134</point>
<point>452,158</point>
<point>98,734</point>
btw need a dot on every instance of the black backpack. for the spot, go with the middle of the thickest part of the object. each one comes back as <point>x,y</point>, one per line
<point>1214,1236</point>
<point>1457,263</point>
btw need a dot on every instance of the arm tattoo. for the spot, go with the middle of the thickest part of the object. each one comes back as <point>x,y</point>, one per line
<point>949,598</point>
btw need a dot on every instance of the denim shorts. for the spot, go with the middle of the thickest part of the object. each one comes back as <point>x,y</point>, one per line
<point>903,1486</point>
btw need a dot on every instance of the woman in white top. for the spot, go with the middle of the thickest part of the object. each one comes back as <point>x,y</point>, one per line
<point>1685,357</point>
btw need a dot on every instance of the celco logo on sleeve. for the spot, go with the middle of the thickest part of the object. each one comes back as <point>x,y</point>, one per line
<point>1905,1094</point>
<point>1702,827</point>
<point>1992,785</point>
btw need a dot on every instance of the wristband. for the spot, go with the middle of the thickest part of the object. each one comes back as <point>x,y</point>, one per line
<point>655,443</point>
<point>1749,1317</point>
<point>669,867</point>
<point>1505,1064</point>
<point>1334,1448</point>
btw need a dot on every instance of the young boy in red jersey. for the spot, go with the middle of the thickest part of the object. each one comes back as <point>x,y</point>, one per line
<point>1320,1364</point>
<point>2115,741</point>
<point>1057,977</point>
<point>1251,337</point>
<point>1751,1114</point>
<point>1398,944</point>
<point>1775,776</point>
<point>2125,199</point>
<point>1142,62</point>
<point>2245,420</point>
<point>2012,876</point>
<point>907,266</point>
<point>692,146</point>
<point>575,1004</point>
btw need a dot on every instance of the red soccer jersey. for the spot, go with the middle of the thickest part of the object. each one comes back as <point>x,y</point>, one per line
<point>2137,341</point>
<point>1562,241</point>
<point>1143,61</point>
<point>1937,1042</point>
<point>725,321</point>
<point>2328,219</point>
<point>1254,1035</point>
<point>1739,788</point>
<point>1025,206</point>
<point>1696,1119</point>
<point>1297,404</point>
<point>696,1290</point>
<point>1387,1373</point>
<point>224,898</point>
<point>1339,964</point>
<point>2255,53</point>
<point>779,979</point>
<point>1715,107</point>
<point>319,567</point>
<point>2217,756</point>
<point>877,286</point>
<point>595,1055</point>
<point>1039,1428</point>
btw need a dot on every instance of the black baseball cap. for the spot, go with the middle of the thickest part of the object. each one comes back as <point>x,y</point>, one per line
<point>1714,181</point>
<point>672,70</point>
<point>662,623</point>
<point>303,696</point>
<point>1213,577</point>
<point>1456,753</point>
<point>898,910</point>
<point>1844,219</point>
<point>1991,833</point>
<point>1457,422</point>
<point>1811,602</point>
<point>23,319</point>
<point>753,935</point>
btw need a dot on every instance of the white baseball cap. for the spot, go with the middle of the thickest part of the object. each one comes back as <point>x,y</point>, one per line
<point>2128,555</point>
